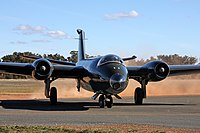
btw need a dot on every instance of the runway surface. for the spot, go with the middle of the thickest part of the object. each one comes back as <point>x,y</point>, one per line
<point>173,111</point>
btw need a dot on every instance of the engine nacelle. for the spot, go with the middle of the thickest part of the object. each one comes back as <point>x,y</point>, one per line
<point>43,69</point>
<point>157,70</point>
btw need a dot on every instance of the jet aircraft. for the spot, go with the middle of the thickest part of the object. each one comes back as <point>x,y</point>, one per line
<point>106,76</point>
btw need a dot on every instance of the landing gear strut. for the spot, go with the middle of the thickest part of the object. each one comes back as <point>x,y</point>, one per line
<point>105,100</point>
<point>102,101</point>
<point>109,101</point>
<point>51,93</point>
<point>140,93</point>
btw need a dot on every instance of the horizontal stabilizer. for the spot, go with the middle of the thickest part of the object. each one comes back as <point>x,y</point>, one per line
<point>129,58</point>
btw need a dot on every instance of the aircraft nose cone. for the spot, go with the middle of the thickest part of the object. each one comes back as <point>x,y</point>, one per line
<point>117,81</point>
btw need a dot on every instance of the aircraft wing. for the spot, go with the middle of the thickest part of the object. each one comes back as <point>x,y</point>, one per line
<point>135,71</point>
<point>157,70</point>
<point>16,68</point>
<point>183,69</point>
<point>63,71</point>
<point>58,71</point>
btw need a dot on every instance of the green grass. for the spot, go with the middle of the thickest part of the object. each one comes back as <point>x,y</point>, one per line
<point>40,129</point>
<point>48,129</point>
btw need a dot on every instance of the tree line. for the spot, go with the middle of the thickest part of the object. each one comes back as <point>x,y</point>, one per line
<point>17,57</point>
<point>174,59</point>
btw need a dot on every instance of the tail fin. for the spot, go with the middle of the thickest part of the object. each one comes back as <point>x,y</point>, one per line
<point>81,50</point>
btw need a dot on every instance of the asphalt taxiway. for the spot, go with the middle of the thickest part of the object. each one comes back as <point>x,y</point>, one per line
<point>172,111</point>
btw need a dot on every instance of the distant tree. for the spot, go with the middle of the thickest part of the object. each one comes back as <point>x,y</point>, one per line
<point>177,59</point>
<point>17,57</point>
<point>169,59</point>
<point>74,56</point>
<point>54,57</point>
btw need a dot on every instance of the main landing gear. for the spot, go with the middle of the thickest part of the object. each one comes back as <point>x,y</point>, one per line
<point>53,96</point>
<point>105,100</point>
<point>140,93</point>
<point>138,96</point>
<point>51,93</point>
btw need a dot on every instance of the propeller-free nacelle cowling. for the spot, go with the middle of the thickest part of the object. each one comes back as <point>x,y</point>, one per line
<point>158,70</point>
<point>43,69</point>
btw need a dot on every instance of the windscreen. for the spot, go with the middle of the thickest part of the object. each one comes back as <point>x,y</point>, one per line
<point>110,59</point>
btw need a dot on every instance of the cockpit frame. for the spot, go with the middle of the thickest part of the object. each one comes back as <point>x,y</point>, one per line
<point>111,58</point>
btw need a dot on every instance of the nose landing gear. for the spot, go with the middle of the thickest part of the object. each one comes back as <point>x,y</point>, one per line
<point>105,100</point>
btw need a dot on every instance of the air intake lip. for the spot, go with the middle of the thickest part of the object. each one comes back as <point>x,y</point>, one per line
<point>43,69</point>
<point>162,70</point>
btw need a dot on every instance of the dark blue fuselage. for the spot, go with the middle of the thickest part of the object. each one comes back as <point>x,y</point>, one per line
<point>108,75</point>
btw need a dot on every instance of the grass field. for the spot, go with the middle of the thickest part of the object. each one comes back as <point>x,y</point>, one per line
<point>128,128</point>
<point>41,129</point>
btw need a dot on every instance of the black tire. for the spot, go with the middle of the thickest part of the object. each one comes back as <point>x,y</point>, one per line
<point>138,96</point>
<point>109,101</point>
<point>53,96</point>
<point>102,101</point>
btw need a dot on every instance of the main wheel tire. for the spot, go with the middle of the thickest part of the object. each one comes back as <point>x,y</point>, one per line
<point>53,96</point>
<point>109,101</point>
<point>138,96</point>
<point>102,101</point>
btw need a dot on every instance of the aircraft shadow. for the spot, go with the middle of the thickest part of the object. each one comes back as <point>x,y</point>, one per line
<point>41,105</point>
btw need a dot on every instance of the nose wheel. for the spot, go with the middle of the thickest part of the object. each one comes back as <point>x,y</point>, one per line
<point>105,101</point>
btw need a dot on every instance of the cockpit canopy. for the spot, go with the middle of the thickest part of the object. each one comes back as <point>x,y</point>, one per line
<point>110,59</point>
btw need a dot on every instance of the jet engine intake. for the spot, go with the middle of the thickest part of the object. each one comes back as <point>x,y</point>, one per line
<point>43,69</point>
<point>157,70</point>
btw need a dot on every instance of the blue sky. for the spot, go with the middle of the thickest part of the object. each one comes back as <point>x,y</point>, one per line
<point>133,27</point>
